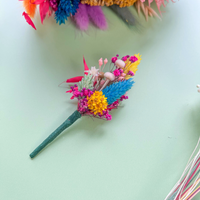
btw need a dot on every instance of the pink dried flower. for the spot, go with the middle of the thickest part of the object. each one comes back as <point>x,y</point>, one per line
<point>86,92</point>
<point>130,73</point>
<point>124,58</point>
<point>105,115</point>
<point>113,59</point>
<point>105,61</point>
<point>120,78</point>
<point>123,74</point>
<point>123,97</point>
<point>100,62</point>
<point>133,59</point>
<point>116,72</point>
<point>108,117</point>
<point>76,93</point>
<point>83,106</point>
<point>113,105</point>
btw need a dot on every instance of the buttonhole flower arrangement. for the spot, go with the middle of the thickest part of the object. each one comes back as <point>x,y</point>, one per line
<point>98,92</point>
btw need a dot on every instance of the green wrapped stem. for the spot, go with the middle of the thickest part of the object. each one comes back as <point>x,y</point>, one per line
<point>71,119</point>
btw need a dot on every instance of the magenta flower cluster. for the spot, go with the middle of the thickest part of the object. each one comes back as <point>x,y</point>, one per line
<point>83,105</point>
<point>117,72</point>
<point>114,105</point>
<point>124,58</point>
<point>54,4</point>
<point>133,59</point>
<point>86,92</point>
<point>123,97</point>
<point>113,59</point>
<point>82,93</point>
<point>73,88</point>
<point>81,96</point>
<point>130,73</point>
<point>105,115</point>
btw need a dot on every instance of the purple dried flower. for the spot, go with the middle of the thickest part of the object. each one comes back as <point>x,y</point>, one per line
<point>120,70</point>
<point>130,73</point>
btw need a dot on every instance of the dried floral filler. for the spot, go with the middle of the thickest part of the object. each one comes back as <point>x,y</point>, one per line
<point>84,12</point>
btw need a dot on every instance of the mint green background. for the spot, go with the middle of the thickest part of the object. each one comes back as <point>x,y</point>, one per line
<point>142,152</point>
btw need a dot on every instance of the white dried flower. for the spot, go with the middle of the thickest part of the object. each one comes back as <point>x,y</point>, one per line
<point>93,71</point>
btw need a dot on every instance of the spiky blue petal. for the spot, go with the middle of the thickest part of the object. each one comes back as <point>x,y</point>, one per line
<point>66,7</point>
<point>116,90</point>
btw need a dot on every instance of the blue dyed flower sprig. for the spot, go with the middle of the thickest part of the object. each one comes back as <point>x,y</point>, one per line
<point>98,92</point>
<point>64,9</point>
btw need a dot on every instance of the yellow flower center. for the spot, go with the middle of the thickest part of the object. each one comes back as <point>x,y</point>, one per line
<point>97,102</point>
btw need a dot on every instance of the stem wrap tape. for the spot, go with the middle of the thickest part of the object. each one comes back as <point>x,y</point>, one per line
<point>71,119</point>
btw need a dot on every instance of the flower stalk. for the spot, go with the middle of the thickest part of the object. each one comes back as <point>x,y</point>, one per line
<point>67,123</point>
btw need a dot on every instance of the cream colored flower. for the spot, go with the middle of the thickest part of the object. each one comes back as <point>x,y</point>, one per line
<point>93,71</point>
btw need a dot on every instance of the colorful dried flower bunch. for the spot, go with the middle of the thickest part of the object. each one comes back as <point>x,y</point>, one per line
<point>84,11</point>
<point>98,92</point>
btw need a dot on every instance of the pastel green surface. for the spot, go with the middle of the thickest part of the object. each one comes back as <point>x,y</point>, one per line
<point>142,152</point>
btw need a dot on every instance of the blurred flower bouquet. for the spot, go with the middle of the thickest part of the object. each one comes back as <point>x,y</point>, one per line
<point>84,11</point>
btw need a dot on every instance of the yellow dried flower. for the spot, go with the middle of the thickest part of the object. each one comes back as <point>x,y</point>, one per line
<point>97,102</point>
